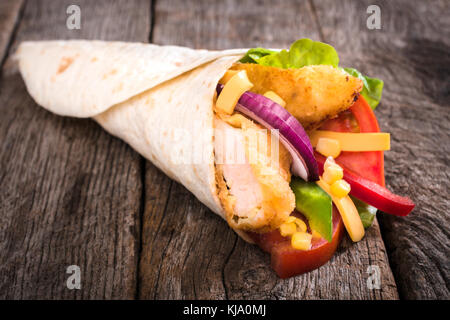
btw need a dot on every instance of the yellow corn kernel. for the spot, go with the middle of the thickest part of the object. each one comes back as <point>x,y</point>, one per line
<point>227,76</point>
<point>236,119</point>
<point>291,219</point>
<point>328,163</point>
<point>232,91</point>
<point>301,241</point>
<point>333,173</point>
<point>301,225</point>
<point>328,147</point>
<point>316,235</point>
<point>275,98</point>
<point>340,188</point>
<point>288,229</point>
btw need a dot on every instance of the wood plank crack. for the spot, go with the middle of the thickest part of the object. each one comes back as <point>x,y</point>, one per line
<point>316,20</point>
<point>71,192</point>
<point>11,14</point>
<point>204,259</point>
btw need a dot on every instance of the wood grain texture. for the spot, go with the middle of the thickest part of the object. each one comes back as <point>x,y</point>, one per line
<point>411,53</point>
<point>9,16</point>
<point>188,252</point>
<point>71,193</point>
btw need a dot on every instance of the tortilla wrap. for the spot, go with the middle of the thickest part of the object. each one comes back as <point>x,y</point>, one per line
<point>158,99</point>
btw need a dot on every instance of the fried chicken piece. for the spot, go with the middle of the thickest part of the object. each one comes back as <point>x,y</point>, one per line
<point>312,94</point>
<point>253,189</point>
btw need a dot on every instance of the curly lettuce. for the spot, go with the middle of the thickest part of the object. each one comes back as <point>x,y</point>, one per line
<point>305,52</point>
<point>253,55</point>
<point>372,89</point>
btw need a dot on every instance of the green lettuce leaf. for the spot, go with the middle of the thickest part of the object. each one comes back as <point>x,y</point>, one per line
<point>305,52</point>
<point>253,55</point>
<point>366,212</point>
<point>373,87</point>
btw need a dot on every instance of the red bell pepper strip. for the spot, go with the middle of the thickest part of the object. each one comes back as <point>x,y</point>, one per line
<point>372,193</point>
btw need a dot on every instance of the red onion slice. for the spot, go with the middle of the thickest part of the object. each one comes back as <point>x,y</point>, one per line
<point>292,135</point>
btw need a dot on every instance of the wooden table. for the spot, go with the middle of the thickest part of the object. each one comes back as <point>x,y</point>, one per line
<point>73,195</point>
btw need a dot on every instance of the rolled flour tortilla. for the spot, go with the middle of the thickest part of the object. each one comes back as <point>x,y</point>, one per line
<point>158,99</point>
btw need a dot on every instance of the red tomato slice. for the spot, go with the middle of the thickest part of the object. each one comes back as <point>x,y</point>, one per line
<point>345,122</point>
<point>365,170</point>
<point>287,261</point>
<point>360,118</point>
<point>266,241</point>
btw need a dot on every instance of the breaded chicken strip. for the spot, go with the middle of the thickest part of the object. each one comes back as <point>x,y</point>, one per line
<point>312,94</point>
<point>253,189</point>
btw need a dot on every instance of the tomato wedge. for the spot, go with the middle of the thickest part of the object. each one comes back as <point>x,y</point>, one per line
<point>287,261</point>
<point>359,118</point>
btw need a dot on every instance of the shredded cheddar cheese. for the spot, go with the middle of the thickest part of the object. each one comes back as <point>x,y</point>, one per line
<point>376,141</point>
<point>232,91</point>
<point>274,97</point>
<point>227,76</point>
<point>348,211</point>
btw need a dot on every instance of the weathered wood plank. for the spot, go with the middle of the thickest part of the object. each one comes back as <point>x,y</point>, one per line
<point>9,16</point>
<point>188,252</point>
<point>411,54</point>
<point>71,193</point>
